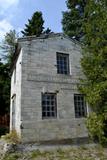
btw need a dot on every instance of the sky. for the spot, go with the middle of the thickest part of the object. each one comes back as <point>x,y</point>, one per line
<point>14,14</point>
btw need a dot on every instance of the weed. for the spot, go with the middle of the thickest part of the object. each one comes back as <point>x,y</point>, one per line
<point>35,154</point>
<point>12,137</point>
<point>13,156</point>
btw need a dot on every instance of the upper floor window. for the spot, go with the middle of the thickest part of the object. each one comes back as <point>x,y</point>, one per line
<point>49,106</point>
<point>80,106</point>
<point>62,63</point>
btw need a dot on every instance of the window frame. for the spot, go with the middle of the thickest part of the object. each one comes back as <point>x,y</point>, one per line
<point>67,66</point>
<point>48,107</point>
<point>80,106</point>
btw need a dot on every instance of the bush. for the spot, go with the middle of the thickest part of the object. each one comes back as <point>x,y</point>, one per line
<point>96,126</point>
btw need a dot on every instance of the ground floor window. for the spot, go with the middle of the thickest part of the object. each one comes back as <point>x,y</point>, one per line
<point>49,105</point>
<point>80,106</point>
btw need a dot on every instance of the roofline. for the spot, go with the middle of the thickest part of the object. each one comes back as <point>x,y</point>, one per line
<point>46,36</point>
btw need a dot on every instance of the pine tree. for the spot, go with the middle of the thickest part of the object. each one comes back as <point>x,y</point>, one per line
<point>73,18</point>
<point>34,26</point>
<point>94,63</point>
<point>47,31</point>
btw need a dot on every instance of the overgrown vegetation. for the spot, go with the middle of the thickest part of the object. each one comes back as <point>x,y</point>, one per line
<point>94,65</point>
<point>97,127</point>
<point>12,137</point>
<point>87,21</point>
<point>74,153</point>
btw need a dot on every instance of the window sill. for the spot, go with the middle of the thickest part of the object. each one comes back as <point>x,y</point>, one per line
<point>54,118</point>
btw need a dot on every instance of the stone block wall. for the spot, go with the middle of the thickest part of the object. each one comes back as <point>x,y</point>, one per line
<point>39,73</point>
<point>15,109</point>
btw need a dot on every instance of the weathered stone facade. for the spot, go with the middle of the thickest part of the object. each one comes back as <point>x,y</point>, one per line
<point>36,73</point>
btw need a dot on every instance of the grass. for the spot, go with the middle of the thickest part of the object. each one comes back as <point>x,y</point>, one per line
<point>74,153</point>
<point>13,156</point>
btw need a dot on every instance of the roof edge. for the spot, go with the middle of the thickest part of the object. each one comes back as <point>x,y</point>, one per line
<point>45,36</point>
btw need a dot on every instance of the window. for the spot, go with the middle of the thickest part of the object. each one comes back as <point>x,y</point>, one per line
<point>62,63</point>
<point>49,108</point>
<point>80,106</point>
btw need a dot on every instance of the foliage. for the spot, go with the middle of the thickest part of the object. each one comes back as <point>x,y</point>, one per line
<point>4,88</point>
<point>8,46</point>
<point>71,153</point>
<point>73,18</point>
<point>94,62</point>
<point>13,156</point>
<point>12,137</point>
<point>47,31</point>
<point>35,25</point>
<point>35,154</point>
<point>96,126</point>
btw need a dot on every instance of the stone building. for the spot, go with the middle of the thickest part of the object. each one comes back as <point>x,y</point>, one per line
<point>45,102</point>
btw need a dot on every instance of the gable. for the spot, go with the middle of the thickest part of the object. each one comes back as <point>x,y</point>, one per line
<point>54,42</point>
<point>49,37</point>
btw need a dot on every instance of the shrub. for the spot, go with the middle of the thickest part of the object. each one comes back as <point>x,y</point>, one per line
<point>96,126</point>
<point>12,137</point>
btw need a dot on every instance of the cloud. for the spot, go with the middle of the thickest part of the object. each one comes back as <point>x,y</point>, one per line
<point>5,27</point>
<point>5,4</point>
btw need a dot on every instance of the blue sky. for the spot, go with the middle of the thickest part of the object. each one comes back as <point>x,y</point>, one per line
<point>15,13</point>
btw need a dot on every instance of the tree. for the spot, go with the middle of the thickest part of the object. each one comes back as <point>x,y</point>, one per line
<point>47,31</point>
<point>4,88</point>
<point>34,26</point>
<point>8,46</point>
<point>73,18</point>
<point>94,61</point>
